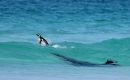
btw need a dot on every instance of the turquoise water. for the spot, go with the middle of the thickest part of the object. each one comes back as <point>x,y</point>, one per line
<point>116,49</point>
<point>86,30</point>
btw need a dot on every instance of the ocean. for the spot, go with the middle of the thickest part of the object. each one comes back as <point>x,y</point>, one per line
<point>84,30</point>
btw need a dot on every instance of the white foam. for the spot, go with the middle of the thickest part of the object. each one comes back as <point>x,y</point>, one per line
<point>58,46</point>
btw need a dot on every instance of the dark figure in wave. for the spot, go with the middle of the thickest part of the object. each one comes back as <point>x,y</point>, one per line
<point>42,41</point>
<point>84,63</point>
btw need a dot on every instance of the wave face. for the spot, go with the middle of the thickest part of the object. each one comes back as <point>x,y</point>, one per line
<point>116,49</point>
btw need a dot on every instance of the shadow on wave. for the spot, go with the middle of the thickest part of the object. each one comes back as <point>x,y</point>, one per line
<point>84,63</point>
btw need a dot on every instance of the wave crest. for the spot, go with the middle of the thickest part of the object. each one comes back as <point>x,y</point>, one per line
<point>117,49</point>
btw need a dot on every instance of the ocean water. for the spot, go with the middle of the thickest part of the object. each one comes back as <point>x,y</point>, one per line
<point>86,30</point>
